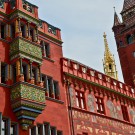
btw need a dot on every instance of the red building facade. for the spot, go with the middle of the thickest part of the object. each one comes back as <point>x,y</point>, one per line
<point>43,93</point>
<point>98,104</point>
<point>32,97</point>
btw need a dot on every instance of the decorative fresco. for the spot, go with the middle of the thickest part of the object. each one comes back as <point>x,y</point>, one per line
<point>99,125</point>
<point>132,113</point>
<point>72,97</point>
<point>91,102</point>
<point>114,110</point>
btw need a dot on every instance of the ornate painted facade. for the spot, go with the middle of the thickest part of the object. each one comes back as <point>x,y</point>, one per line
<point>43,93</point>
<point>30,77</point>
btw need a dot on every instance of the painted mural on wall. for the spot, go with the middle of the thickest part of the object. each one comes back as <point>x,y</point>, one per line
<point>91,102</point>
<point>114,110</point>
<point>97,125</point>
<point>132,113</point>
<point>72,96</point>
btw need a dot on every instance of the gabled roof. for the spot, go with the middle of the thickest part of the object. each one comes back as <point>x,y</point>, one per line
<point>128,4</point>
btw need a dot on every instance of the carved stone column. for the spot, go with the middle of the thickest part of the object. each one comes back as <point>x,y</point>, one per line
<point>21,70</point>
<point>17,70</point>
<point>18,27</point>
<point>44,49</point>
<point>36,36</point>
<point>39,83</point>
<point>28,30</point>
<point>32,80</point>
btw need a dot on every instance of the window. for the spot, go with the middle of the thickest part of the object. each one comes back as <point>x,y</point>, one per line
<point>1,4</point>
<point>3,73</point>
<point>130,39</point>
<point>32,34</point>
<point>100,105</point>
<point>47,128</point>
<point>80,100</point>
<point>25,68</point>
<point>3,27</point>
<point>45,49</point>
<point>23,30</point>
<point>12,30</point>
<point>110,66</point>
<point>39,130</point>
<point>125,113</point>
<point>49,85</point>
<point>53,131</point>
<point>56,89</point>
<point>4,127</point>
<point>134,54</point>
<point>59,132</point>
<point>13,129</point>
<point>33,131</point>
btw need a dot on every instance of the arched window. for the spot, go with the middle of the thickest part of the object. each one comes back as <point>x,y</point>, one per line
<point>130,39</point>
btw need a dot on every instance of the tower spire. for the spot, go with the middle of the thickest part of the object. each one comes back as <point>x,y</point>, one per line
<point>109,61</point>
<point>116,19</point>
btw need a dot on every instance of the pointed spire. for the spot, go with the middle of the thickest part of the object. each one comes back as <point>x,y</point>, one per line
<point>107,50</point>
<point>128,4</point>
<point>116,19</point>
<point>109,61</point>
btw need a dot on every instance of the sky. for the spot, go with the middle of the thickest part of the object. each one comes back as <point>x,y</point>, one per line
<point>82,24</point>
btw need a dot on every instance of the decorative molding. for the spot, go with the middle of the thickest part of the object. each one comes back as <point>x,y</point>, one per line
<point>101,86</point>
<point>18,13</point>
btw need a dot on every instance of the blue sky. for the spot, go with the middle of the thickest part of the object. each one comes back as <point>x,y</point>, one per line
<point>82,24</point>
